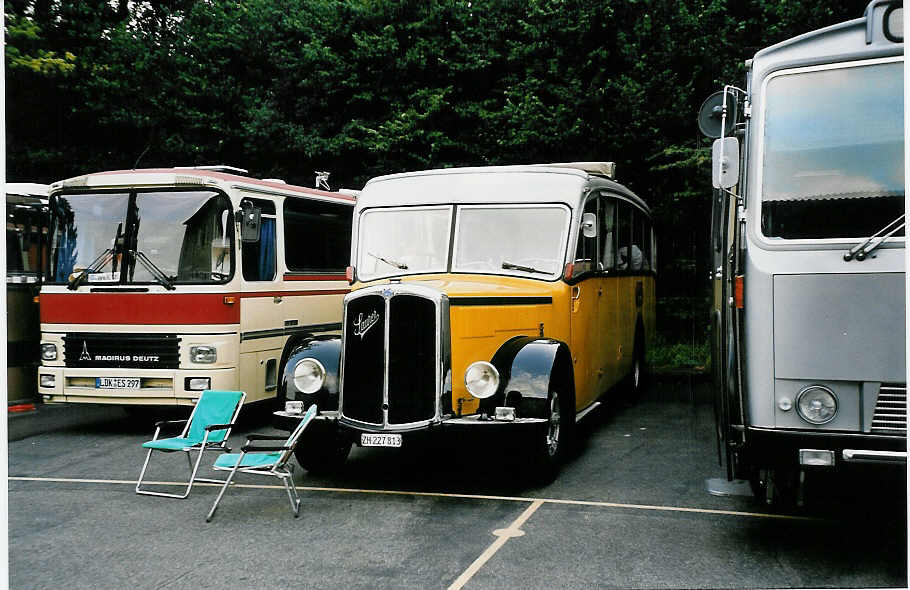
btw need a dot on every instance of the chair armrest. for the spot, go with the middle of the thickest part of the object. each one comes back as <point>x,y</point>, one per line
<point>257,436</point>
<point>163,422</point>
<point>252,448</point>
<point>212,427</point>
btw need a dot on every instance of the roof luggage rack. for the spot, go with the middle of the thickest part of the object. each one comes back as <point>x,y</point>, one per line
<point>217,168</point>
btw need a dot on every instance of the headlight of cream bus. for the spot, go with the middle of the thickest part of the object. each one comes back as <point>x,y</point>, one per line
<point>309,375</point>
<point>481,379</point>
<point>203,354</point>
<point>48,352</point>
<point>816,404</point>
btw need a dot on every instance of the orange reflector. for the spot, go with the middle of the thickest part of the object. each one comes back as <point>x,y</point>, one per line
<point>738,292</point>
<point>349,274</point>
<point>230,300</point>
<point>21,408</point>
<point>35,299</point>
<point>570,270</point>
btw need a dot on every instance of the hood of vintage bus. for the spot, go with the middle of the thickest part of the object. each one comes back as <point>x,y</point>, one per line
<point>486,311</point>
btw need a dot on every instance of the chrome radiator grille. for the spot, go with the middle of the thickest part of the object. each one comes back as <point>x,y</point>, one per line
<point>890,416</point>
<point>390,364</point>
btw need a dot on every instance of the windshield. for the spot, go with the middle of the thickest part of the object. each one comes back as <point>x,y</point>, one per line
<point>146,237</point>
<point>520,240</point>
<point>834,156</point>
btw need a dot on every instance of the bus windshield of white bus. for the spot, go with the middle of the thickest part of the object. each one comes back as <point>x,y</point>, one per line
<point>165,237</point>
<point>833,151</point>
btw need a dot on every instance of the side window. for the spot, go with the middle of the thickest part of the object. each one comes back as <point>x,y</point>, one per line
<point>646,243</point>
<point>317,235</point>
<point>608,233</point>
<point>635,260</point>
<point>586,257</point>
<point>259,257</point>
<point>624,225</point>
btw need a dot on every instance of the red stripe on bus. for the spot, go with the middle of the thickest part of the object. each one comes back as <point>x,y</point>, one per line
<point>138,308</point>
<point>339,277</point>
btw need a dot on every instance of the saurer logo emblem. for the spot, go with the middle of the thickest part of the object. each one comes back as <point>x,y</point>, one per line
<point>363,324</point>
<point>85,356</point>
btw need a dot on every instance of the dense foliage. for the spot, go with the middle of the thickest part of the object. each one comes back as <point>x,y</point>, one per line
<point>367,87</point>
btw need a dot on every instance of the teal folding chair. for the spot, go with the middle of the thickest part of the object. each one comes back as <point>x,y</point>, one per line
<point>207,428</point>
<point>265,460</point>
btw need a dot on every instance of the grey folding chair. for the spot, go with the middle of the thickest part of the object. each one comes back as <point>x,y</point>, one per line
<point>207,428</point>
<point>270,460</point>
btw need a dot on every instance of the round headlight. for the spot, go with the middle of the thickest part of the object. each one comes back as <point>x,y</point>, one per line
<point>481,379</point>
<point>816,404</point>
<point>309,375</point>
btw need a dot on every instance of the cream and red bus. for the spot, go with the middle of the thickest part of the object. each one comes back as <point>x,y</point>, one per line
<point>161,283</point>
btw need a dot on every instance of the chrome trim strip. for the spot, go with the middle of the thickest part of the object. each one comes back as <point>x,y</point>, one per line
<point>860,456</point>
<point>288,330</point>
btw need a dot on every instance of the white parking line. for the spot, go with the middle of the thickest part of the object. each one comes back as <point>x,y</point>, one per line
<point>594,503</point>
<point>502,537</point>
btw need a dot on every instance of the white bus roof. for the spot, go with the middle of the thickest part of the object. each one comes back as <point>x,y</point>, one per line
<point>187,177</point>
<point>535,183</point>
<point>26,189</point>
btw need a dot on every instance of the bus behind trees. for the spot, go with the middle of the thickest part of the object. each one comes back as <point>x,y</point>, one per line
<point>161,283</point>
<point>808,240</point>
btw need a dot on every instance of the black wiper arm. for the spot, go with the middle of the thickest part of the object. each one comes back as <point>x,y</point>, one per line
<point>153,269</point>
<point>511,266</point>
<point>863,249</point>
<point>97,263</point>
<point>389,261</point>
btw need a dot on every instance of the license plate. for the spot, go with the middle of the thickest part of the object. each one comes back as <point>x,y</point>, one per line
<point>380,440</point>
<point>116,383</point>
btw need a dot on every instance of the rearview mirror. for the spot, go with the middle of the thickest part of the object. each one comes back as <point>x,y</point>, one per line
<point>589,225</point>
<point>250,223</point>
<point>725,162</point>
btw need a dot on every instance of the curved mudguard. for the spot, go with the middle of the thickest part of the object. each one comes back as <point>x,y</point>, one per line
<point>528,369</point>
<point>327,350</point>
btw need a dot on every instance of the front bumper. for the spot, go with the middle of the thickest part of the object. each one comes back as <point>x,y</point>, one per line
<point>781,448</point>
<point>445,428</point>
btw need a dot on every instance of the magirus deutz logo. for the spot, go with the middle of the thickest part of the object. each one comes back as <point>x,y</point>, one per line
<point>123,358</point>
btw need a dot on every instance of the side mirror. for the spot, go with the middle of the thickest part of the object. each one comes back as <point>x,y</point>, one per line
<point>250,223</point>
<point>589,225</point>
<point>711,120</point>
<point>725,162</point>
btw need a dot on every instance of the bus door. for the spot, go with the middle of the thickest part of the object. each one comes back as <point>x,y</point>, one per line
<point>608,293</point>
<point>261,313</point>
<point>586,293</point>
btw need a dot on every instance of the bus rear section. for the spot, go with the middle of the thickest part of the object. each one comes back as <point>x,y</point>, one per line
<point>162,283</point>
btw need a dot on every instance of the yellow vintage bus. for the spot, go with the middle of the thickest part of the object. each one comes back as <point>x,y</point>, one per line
<point>508,298</point>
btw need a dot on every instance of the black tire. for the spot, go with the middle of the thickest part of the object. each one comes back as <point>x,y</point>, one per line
<point>638,377</point>
<point>322,451</point>
<point>552,443</point>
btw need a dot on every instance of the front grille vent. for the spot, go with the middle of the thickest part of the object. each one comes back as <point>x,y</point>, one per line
<point>890,416</point>
<point>143,351</point>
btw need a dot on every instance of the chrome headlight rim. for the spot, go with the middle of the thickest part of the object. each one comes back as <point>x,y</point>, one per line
<point>203,354</point>
<point>317,375</point>
<point>48,351</point>
<point>810,389</point>
<point>489,370</point>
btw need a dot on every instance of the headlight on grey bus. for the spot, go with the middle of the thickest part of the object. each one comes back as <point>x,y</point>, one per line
<point>48,352</point>
<point>203,354</point>
<point>816,404</point>
<point>481,379</point>
<point>309,375</point>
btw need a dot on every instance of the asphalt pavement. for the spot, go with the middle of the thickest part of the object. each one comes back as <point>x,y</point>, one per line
<point>629,510</point>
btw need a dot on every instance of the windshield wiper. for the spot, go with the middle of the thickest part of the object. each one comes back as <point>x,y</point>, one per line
<point>93,266</point>
<point>389,261</point>
<point>511,266</point>
<point>863,249</point>
<point>153,269</point>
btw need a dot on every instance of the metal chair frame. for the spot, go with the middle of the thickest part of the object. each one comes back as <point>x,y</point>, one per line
<point>203,446</point>
<point>280,468</point>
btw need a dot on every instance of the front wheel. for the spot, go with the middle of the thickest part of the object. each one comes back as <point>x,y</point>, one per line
<point>322,451</point>
<point>552,443</point>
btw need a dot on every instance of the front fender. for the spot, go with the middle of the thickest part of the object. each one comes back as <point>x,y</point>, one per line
<point>528,370</point>
<point>326,350</point>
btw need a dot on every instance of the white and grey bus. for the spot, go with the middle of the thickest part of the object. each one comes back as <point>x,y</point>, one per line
<point>809,336</point>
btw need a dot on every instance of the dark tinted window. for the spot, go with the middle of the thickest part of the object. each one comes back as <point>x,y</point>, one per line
<point>586,255</point>
<point>608,232</point>
<point>259,257</point>
<point>317,235</point>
